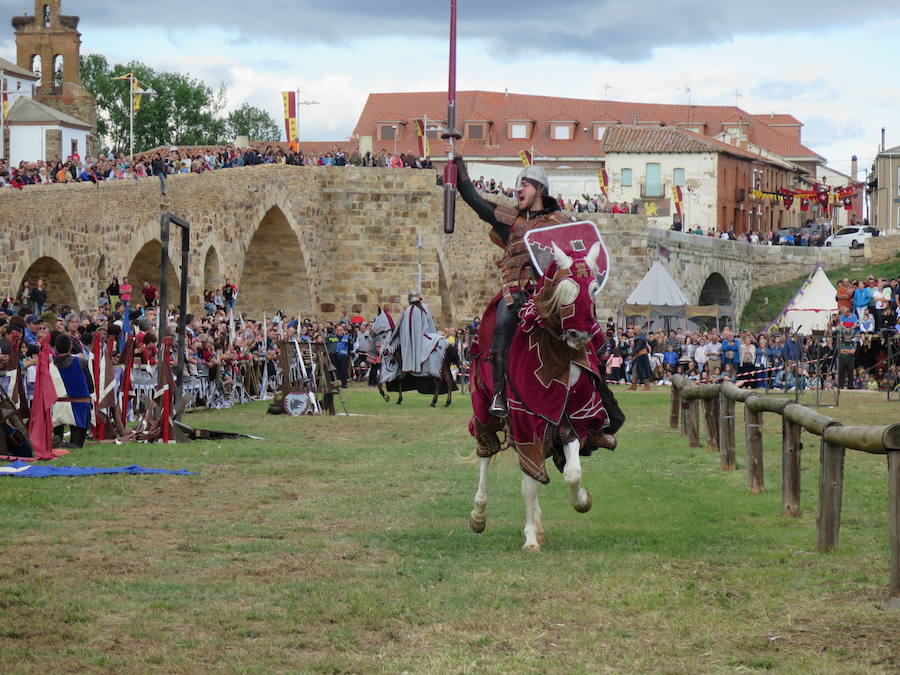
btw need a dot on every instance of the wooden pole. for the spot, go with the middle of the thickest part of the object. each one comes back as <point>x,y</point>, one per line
<point>685,404</point>
<point>831,487</point>
<point>676,407</point>
<point>893,601</point>
<point>790,468</point>
<point>753,430</point>
<point>711,415</point>
<point>727,459</point>
<point>692,417</point>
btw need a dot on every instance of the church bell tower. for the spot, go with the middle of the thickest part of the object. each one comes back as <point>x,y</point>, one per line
<point>49,43</point>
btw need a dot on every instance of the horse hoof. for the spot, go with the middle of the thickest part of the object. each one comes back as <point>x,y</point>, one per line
<point>433,405</point>
<point>586,506</point>
<point>447,404</point>
<point>477,526</point>
<point>532,548</point>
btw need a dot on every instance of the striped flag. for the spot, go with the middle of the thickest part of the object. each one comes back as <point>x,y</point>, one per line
<point>5,109</point>
<point>422,133</point>
<point>526,157</point>
<point>291,123</point>
<point>677,197</point>
<point>603,178</point>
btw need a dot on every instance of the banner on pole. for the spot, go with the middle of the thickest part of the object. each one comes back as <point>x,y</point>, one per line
<point>291,123</point>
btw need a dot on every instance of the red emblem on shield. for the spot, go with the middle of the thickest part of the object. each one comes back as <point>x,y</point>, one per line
<point>575,239</point>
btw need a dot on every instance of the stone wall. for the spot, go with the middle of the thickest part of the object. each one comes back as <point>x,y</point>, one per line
<point>321,241</point>
<point>882,249</point>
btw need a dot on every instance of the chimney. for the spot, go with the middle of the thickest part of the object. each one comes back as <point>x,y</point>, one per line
<point>882,139</point>
<point>854,168</point>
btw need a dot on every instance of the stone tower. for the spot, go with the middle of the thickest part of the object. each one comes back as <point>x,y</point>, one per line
<point>49,42</point>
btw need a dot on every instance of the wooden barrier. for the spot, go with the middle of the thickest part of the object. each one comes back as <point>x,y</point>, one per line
<point>835,439</point>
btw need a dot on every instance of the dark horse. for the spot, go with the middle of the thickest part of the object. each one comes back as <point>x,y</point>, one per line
<point>424,384</point>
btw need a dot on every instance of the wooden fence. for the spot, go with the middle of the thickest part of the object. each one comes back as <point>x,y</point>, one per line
<point>719,420</point>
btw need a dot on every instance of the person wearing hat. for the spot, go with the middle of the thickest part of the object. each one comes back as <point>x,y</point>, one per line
<point>534,208</point>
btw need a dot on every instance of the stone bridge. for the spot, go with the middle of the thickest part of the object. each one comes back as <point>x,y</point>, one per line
<point>321,240</point>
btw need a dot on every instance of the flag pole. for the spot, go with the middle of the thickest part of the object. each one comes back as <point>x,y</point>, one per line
<point>450,133</point>
<point>131,117</point>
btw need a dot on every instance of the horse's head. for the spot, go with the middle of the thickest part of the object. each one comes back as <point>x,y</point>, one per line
<point>565,297</point>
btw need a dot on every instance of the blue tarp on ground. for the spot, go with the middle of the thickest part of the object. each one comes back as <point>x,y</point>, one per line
<point>26,470</point>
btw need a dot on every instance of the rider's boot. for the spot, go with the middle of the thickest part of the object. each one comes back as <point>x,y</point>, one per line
<point>498,403</point>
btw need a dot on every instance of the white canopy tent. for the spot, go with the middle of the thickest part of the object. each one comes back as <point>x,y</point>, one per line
<point>811,307</point>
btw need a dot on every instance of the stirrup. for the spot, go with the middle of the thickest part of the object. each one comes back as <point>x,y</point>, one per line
<point>498,406</point>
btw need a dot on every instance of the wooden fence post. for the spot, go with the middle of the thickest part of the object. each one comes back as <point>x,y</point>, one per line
<point>790,468</point>
<point>753,430</point>
<point>893,458</point>
<point>676,407</point>
<point>692,417</point>
<point>711,415</point>
<point>831,487</point>
<point>727,458</point>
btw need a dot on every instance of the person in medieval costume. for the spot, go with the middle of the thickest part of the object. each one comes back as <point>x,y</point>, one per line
<point>534,208</point>
<point>421,347</point>
<point>72,379</point>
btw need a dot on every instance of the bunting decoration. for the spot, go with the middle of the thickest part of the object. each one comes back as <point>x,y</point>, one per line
<point>677,197</point>
<point>291,123</point>
<point>525,156</point>
<point>603,177</point>
<point>825,196</point>
<point>422,133</point>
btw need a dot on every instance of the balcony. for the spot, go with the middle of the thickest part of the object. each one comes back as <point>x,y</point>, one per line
<point>654,191</point>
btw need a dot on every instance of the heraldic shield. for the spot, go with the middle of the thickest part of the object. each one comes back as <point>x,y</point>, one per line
<point>573,238</point>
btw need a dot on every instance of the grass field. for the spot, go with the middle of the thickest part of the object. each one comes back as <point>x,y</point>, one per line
<point>767,301</point>
<point>341,545</point>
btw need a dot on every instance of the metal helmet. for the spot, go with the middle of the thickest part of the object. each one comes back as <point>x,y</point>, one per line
<point>413,297</point>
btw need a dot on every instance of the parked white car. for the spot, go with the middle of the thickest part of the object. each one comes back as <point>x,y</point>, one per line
<point>850,237</point>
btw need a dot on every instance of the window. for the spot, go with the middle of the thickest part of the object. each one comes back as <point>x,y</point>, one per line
<point>599,131</point>
<point>898,181</point>
<point>388,132</point>
<point>518,130</point>
<point>678,177</point>
<point>653,187</point>
<point>626,177</point>
<point>475,132</point>
<point>432,133</point>
<point>561,132</point>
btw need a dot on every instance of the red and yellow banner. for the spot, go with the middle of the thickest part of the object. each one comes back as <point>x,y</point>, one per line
<point>677,198</point>
<point>136,97</point>
<point>291,123</point>
<point>603,178</point>
<point>526,157</point>
<point>422,133</point>
<point>5,110</point>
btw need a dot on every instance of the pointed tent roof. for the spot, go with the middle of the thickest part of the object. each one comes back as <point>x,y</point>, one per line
<point>811,307</point>
<point>657,288</point>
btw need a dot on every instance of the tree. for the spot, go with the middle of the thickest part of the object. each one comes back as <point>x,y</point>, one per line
<point>254,122</point>
<point>184,111</point>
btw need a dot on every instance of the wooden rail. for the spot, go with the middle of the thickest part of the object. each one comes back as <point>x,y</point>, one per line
<point>835,438</point>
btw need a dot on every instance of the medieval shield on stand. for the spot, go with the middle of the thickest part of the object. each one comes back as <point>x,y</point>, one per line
<point>574,239</point>
<point>296,404</point>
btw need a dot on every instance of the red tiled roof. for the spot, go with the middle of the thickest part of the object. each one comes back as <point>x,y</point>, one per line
<point>501,108</point>
<point>632,139</point>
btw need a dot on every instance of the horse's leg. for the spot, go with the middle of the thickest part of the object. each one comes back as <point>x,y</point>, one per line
<point>580,498</point>
<point>382,392</point>
<point>399,395</point>
<point>478,518</point>
<point>436,383</point>
<point>448,380</point>
<point>534,531</point>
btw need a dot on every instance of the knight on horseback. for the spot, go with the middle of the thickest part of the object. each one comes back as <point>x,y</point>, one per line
<point>534,208</point>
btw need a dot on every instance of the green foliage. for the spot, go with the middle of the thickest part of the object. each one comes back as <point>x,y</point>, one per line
<point>254,122</point>
<point>184,111</point>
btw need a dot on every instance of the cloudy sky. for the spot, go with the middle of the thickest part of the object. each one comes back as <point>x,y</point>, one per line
<point>833,67</point>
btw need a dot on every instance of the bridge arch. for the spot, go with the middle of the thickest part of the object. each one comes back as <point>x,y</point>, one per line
<point>715,291</point>
<point>274,273</point>
<point>145,267</point>
<point>60,288</point>
<point>212,270</point>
